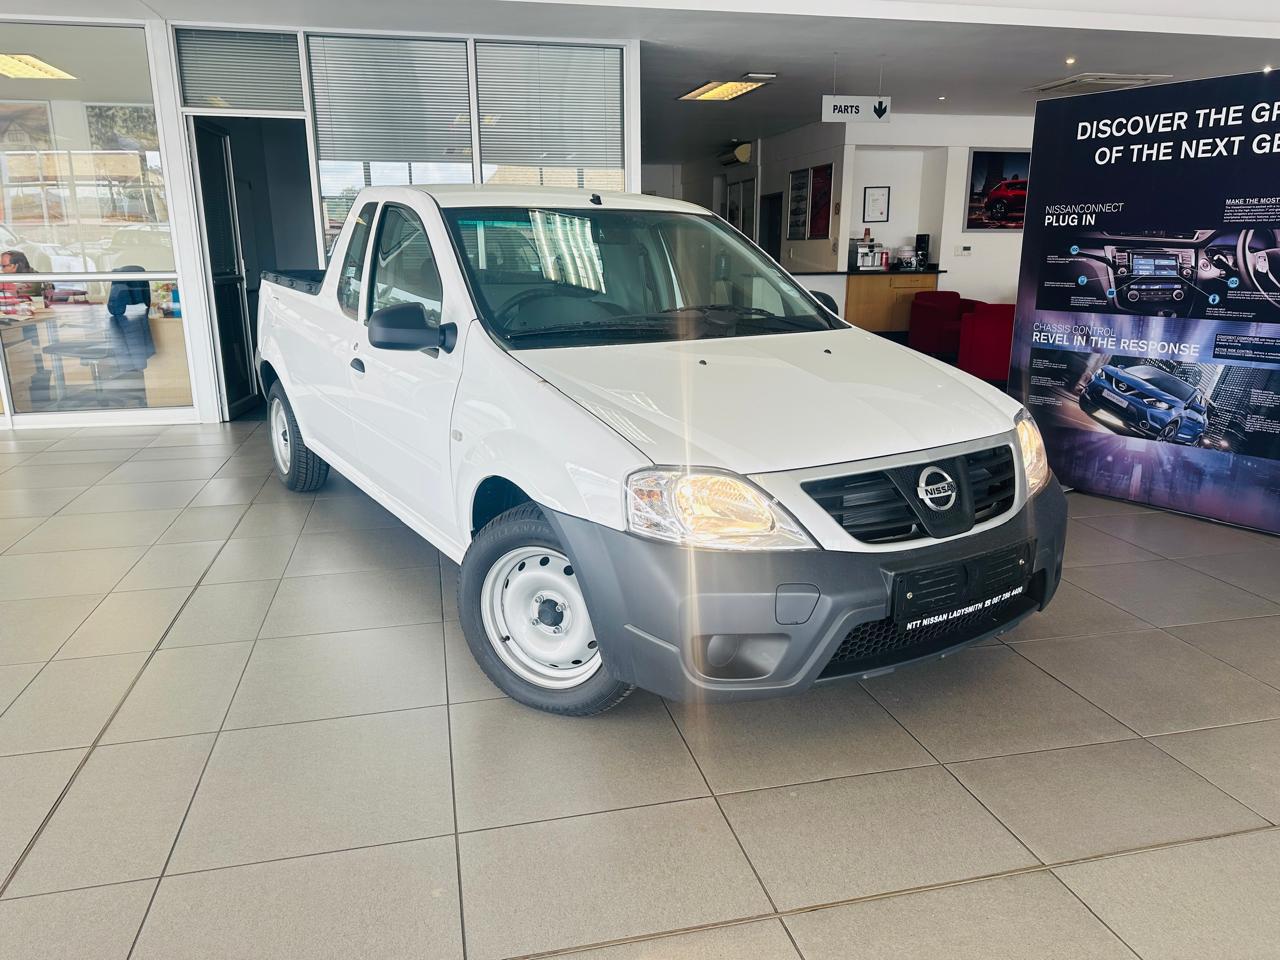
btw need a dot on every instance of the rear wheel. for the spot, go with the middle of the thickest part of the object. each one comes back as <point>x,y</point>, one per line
<point>1170,432</point>
<point>999,210</point>
<point>526,620</point>
<point>297,465</point>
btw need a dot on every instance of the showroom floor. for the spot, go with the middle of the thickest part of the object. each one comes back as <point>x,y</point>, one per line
<point>263,700</point>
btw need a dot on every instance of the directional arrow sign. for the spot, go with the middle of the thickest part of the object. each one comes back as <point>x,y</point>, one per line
<point>856,109</point>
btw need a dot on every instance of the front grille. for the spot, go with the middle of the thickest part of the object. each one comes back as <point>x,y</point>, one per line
<point>873,509</point>
<point>883,643</point>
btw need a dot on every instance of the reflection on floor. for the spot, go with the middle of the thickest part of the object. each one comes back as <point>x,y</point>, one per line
<point>239,722</point>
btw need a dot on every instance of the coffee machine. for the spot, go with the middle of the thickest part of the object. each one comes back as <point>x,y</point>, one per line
<point>922,251</point>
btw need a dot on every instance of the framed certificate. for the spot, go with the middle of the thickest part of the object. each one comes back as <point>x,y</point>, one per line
<point>875,204</point>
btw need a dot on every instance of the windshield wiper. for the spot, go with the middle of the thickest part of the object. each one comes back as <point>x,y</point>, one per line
<point>638,325</point>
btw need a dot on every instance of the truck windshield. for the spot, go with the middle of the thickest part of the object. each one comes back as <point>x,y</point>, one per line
<point>565,278</point>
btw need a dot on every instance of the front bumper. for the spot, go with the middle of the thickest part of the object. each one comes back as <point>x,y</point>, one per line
<point>719,625</point>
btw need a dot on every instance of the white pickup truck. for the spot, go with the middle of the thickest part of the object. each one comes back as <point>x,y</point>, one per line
<point>659,461</point>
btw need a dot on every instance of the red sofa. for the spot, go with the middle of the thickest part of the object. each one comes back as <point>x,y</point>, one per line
<point>986,341</point>
<point>935,322</point>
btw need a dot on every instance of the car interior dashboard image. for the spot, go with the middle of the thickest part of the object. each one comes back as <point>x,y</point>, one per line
<point>1231,273</point>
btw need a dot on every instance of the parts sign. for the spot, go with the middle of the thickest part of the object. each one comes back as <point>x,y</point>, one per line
<point>855,109</point>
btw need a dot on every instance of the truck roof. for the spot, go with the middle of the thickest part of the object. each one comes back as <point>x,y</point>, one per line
<point>517,195</point>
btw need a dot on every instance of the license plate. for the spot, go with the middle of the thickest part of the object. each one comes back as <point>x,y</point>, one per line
<point>1115,398</point>
<point>949,591</point>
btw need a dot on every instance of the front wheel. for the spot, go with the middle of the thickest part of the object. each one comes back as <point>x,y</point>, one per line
<point>526,620</point>
<point>1170,432</point>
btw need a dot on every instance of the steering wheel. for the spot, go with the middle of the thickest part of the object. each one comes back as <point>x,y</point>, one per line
<point>1260,268</point>
<point>538,293</point>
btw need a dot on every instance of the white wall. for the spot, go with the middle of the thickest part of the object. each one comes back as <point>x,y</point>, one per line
<point>900,171</point>
<point>661,180</point>
<point>809,146</point>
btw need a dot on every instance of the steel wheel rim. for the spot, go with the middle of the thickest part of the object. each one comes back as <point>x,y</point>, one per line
<point>535,618</point>
<point>279,426</point>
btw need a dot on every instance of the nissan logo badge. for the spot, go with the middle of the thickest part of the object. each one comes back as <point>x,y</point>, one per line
<point>936,489</point>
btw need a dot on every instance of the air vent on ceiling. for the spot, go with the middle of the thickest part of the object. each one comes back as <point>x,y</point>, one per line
<point>1094,82</point>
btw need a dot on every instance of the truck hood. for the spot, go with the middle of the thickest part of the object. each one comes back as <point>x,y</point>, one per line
<point>770,403</point>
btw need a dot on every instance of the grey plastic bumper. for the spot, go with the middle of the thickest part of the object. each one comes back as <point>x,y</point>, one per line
<point>718,625</point>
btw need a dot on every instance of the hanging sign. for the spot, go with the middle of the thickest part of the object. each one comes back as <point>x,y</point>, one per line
<point>855,109</point>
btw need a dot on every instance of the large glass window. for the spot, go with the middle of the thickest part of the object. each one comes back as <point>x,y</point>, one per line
<point>82,200</point>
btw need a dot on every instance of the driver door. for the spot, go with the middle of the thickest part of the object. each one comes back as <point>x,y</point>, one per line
<point>404,399</point>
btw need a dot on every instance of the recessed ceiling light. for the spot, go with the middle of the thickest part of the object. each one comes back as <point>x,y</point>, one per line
<point>942,98</point>
<point>23,66</point>
<point>1071,61</point>
<point>722,89</point>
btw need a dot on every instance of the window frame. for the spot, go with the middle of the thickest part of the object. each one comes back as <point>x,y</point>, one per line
<point>372,253</point>
<point>365,263</point>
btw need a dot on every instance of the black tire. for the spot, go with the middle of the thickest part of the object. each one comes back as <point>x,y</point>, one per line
<point>1170,432</point>
<point>522,526</point>
<point>999,210</point>
<point>306,472</point>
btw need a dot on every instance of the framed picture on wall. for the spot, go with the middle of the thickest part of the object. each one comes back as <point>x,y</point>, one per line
<point>798,205</point>
<point>996,195</point>
<point>875,204</point>
<point>820,202</point>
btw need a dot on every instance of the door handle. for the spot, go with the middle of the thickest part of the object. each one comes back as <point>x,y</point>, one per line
<point>357,365</point>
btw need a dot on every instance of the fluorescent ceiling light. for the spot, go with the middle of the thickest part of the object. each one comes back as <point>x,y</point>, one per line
<point>23,66</point>
<point>722,89</point>
<point>759,76</point>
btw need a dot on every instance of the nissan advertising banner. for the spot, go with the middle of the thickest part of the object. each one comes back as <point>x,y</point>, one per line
<point>1148,323</point>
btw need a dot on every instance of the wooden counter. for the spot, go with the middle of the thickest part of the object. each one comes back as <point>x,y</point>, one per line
<point>881,302</point>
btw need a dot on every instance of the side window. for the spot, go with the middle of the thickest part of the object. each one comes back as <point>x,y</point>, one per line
<point>404,268</point>
<point>349,280</point>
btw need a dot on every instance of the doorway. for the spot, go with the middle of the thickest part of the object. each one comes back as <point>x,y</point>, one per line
<point>771,225</point>
<point>257,213</point>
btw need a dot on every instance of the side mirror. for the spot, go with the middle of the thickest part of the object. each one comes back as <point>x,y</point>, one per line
<point>406,326</point>
<point>827,300</point>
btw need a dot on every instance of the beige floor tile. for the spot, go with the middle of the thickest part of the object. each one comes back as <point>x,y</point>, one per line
<point>1085,505</point>
<point>1252,646</point>
<point>232,490</point>
<point>103,439</point>
<point>1074,613</point>
<point>832,731</point>
<point>9,460</point>
<point>838,839</point>
<point>36,477</point>
<point>331,514</point>
<point>1174,536</point>
<point>354,550</point>
<point>395,902</point>
<point>222,613</point>
<point>33,630</point>
<point>156,471</point>
<point>130,622</point>
<point>65,574</point>
<point>353,601</point>
<point>194,452</point>
<point>1031,917</point>
<point>1257,571</point>
<point>259,558</point>
<point>13,680</point>
<point>302,788</point>
<point>1166,593</point>
<point>514,765</point>
<point>36,503</point>
<point>341,674</point>
<point>113,497</point>
<point>67,704</point>
<point>204,523</point>
<point>1243,760</point>
<point>29,786</point>
<point>603,877</point>
<point>14,529</point>
<point>91,531</point>
<point>449,587</point>
<point>466,680</point>
<point>1154,682</point>
<point>171,565</point>
<point>118,820</point>
<point>1088,801</point>
<point>1087,546</point>
<point>182,691</point>
<point>273,520</point>
<point>758,940</point>
<point>50,457</point>
<point>1214,899</point>
<point>1006,705</point>
<point>95,924</point>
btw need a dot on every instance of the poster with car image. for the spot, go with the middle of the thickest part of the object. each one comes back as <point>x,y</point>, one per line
<point>997,198</point>
<point>1147,343</point>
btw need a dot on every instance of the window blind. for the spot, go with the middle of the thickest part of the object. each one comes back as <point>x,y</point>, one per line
<point>390,99</point>
<point>239,69</point>
<point>549,105</point>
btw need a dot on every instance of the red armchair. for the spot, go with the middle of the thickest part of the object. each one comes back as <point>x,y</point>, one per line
<point>935,322</point>
<point>986,341</point>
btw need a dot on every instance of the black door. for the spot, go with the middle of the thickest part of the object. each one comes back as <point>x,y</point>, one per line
<point>226,267</point>
<point>771,225</point>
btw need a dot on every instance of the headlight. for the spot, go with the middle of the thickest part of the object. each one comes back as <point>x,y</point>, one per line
<point>1158,404</point>
<point>701,508</point>
<point>1035,462</point>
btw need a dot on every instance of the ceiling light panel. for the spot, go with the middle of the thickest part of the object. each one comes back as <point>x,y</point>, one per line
<point>23,66</point>
<point>722,90</point>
